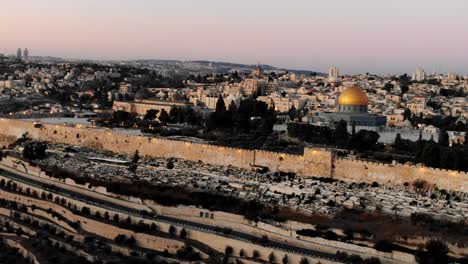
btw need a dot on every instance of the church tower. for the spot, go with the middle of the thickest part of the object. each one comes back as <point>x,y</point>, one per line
<point>258,72</point>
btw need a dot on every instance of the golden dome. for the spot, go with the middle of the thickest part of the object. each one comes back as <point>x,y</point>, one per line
<point>353,96</point>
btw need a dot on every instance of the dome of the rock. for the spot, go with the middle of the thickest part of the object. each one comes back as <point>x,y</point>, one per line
<point>353,96</point>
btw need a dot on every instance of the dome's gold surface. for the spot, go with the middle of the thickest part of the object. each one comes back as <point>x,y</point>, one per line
<point>353,96</point>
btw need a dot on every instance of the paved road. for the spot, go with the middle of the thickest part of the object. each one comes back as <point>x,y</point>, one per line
<point>170,220</point>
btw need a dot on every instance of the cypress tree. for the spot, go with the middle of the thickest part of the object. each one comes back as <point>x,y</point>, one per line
<point>443,137</point>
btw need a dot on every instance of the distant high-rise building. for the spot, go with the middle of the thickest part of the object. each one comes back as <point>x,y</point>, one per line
<point>26,54</point>
<point>419,75</point>
<point>333,73</point>
<point>18,54</point>
<point>452,76</point>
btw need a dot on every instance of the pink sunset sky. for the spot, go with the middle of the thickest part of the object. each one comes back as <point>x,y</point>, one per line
<point>358,36</point>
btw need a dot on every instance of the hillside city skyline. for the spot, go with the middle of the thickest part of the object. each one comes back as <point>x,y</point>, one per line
<point>430,70</point>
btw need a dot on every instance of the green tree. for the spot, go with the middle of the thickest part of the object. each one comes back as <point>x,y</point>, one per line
<point>466,136</point>
<point>443,137</point>
<point>430,155</point>
<point>407,114</point>
<point>220,119</point>
<point>19,232</point>
<point>220,106</point>
<point>340,134</point>
<point>128,221</point>
<point>235,75</point>
<point>404,89</point>
<point>242,253</point>
<point>136,157</point>
<point>388,86</point>
<point>272,257</point>
<point>151,114</point>
<point>232,108</point>
<point>363,140</point>
<point>228,251</point>
<point>293,113</point>
<point>436,253</point>
<point>397,139</point>
<point>285,259</point>
<point>447,158</point>
<point>164,117</point>
<point>85,210</point>
<point>121,117</point>
<point>183,233</point>
<point>172,230</point>
<point>35,150</point>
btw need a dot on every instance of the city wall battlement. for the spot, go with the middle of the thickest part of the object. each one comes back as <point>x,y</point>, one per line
<point>314,161</point>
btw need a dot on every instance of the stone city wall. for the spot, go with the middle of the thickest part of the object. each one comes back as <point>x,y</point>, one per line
<point>142,108</point>
<point>364,171</point>
<point>314,162</point>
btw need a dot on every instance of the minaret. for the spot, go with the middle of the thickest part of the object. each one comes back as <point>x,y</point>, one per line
<point>26,54</point>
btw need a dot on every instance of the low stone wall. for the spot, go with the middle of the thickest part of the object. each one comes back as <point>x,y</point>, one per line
<point>237,222</point>
<point>22,168</point>
<point>74,250</point>
<point>5,217</point>
<point>24,252</point>
<point>99,228</point>
<point>220,244</point>
<point>108,231</point>
<point>52,219</point>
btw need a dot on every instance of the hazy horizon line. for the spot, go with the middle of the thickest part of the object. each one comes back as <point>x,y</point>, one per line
<point>322,71</point>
